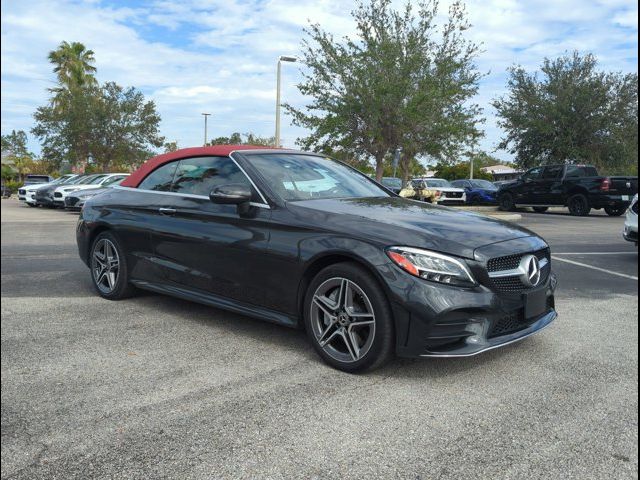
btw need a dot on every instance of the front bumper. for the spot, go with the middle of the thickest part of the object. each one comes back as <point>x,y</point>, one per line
<point>434,320</point>
<point>630,234</point>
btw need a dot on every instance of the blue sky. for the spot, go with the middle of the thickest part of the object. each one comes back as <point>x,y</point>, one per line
<point>219,56</point>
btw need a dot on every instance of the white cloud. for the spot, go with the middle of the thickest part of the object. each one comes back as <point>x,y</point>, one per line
<point>219,55</point>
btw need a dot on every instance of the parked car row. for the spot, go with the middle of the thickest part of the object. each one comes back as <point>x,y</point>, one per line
<point>578,187</point>
<point>75,188</point>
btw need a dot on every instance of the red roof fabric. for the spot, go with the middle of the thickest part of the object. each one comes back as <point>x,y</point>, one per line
<point>147,167</point>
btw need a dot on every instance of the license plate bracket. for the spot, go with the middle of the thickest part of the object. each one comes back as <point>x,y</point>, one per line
<point>535,303</point>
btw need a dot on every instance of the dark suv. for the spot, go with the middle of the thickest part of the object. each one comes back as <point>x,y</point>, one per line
<point>578,187</point>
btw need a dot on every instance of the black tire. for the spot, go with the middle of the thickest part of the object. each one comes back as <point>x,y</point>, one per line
<point>475,201</point>
<point>32,205</point>
<point>122,288</point>
<point>379,344</point>
<point>615,211</point>
<point>540,209</point>
<point>506,202</point>
<point>579,205</point>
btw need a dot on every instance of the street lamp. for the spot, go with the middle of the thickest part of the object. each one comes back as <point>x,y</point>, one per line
<point>206,115</point>
<point>282,58</point>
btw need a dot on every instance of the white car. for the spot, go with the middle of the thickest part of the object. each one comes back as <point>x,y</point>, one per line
<point>630,232</point>
<point>92,181</point>
<point>445,192</point>
<point>27,193</point>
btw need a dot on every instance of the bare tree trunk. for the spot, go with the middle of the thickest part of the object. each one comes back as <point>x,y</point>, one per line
<point>379,166</point>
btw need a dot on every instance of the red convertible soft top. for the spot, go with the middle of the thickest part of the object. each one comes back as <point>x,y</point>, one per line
<point>147,167</point>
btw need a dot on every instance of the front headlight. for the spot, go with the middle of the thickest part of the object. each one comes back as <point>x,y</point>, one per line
<point>432,266</point>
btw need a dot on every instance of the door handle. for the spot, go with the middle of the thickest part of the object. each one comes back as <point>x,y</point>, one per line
<point>167,211</point>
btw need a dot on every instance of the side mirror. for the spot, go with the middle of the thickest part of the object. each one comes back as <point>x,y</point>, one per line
<point>231,194</point>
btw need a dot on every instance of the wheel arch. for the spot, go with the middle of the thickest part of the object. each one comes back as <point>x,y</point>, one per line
<point>93,233</point>
<point>324,260</point>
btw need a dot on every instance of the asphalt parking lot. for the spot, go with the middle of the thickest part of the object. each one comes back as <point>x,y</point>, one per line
<point>154,387</point>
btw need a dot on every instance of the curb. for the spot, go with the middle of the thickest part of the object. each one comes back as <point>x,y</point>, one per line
<point>492,212</point>
<point>507,217</point>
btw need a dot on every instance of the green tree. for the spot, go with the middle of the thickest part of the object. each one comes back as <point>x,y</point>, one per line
<point>64,124</point>
<point>404,81</point>
<point>114,125</point>
<point>15,150</point>
<point>170,147</point>
<point>237,138</point>
<point>572,112</point>
<point>125,128</point>
<point>460,170</point>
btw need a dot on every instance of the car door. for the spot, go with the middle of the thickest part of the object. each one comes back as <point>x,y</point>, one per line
<point>526,191</point>
<point>210,247</point>
<point>138,215</point>
<point>548,188</point>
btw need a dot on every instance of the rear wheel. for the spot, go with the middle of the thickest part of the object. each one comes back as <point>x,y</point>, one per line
<point>579,205</point>
<point>540,209</point>
<point>348,319</point>
<point>506,202</point>
<point>615,211</point>
<point>109,271</point>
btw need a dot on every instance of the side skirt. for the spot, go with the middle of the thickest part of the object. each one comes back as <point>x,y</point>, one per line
<point>219,302</point>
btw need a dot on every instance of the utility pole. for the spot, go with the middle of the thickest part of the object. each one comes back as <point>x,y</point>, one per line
<point>282,58</point>
<point>206,115</point>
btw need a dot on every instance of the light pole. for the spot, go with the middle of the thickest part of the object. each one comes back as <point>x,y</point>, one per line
<point>206,115</point>
<point>282,58</point>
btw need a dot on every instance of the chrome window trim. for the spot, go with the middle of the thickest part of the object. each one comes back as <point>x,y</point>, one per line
<point>183,195</point>
<point>247,175</point>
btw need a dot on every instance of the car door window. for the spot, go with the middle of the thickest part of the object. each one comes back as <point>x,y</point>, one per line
<point>552,173</point>
<point>199,176</point>
<point>160,179</point>
<point>534,174</point>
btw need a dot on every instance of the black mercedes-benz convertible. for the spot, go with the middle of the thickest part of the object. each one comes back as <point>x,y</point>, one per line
<point>305,241</point>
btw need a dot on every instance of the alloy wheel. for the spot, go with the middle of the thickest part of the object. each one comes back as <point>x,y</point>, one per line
<point>343,320</point>
<point>105,265</point>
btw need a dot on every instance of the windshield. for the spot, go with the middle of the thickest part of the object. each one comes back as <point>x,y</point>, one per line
<point>33,179</point>
<point>114,180</point>
<point>485,184</point>
<point>392,182</point>
<point>91,179</point>
<point>304,177</point>
<point>438,183</point>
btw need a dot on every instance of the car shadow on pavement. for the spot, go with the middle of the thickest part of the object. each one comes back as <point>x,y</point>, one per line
<point>273,336</point>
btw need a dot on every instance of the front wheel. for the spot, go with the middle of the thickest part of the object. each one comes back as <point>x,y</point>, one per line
<point>506,202</point>
<point>109,271</point>
<point>614,211</point>
<point>348,318</point>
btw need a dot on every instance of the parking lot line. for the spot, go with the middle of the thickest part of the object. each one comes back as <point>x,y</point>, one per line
<point>596,253</point>
<point>572,262</point>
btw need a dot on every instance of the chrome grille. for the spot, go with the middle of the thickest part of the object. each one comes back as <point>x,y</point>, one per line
<point>512,284</point>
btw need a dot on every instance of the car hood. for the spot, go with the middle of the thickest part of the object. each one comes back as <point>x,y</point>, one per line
<point>447,189</point>
<point>398,221</point>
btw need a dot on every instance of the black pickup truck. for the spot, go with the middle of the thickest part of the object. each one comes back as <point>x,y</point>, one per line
<point>578,187</point>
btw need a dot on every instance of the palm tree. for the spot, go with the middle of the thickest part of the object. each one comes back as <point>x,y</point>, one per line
<point>73,65</point>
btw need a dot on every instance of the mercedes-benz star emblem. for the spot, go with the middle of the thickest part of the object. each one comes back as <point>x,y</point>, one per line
<point>530,268</point>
